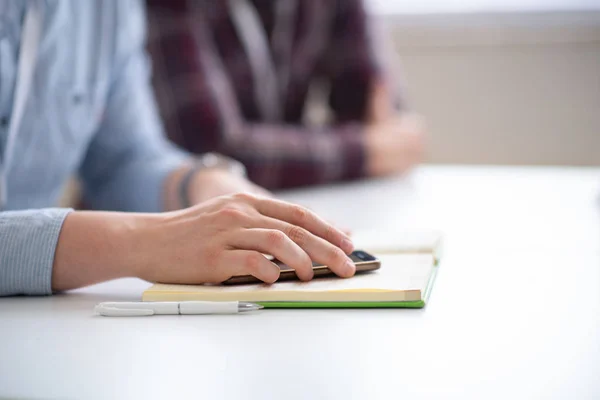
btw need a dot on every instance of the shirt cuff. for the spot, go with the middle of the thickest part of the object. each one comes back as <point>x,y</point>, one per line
<point>28,242</point>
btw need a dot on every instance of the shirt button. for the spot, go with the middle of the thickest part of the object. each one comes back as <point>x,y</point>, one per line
<point>4,122</point>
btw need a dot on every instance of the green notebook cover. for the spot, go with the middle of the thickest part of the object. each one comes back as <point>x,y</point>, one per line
<point>357,304</point>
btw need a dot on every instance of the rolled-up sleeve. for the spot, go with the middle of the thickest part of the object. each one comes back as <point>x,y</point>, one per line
<point>28,241</point>
<point>129,157</point>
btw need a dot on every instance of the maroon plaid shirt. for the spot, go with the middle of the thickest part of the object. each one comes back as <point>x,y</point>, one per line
<point>205,89</point>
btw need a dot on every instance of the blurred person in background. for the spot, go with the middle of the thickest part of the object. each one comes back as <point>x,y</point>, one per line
<point>235,76</point>
<point>75,97</point>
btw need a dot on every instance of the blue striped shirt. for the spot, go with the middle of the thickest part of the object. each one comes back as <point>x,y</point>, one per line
<point>90,111</point>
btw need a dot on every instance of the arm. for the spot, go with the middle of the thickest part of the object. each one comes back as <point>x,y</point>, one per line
<point>42,251</point>
<point>27,245</point>
<point>130,166</point>
<point>200,111</point>
<point>207,243</point>
<point>360,65</point>
<point>119,159</point>
<point>129,163</point>
<point>51,250</point>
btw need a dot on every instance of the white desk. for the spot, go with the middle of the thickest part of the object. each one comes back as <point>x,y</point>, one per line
<point>515,312</point>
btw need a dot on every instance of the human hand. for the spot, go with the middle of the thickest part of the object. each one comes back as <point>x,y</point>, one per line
<point>228,235</point>
<point>396,145</point>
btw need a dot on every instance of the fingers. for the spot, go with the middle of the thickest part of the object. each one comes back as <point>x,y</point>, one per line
<point>291,233</point>
<point>275,242</point>
<point>318,249</point>
<point>303,218</point>
<point>246,262</point>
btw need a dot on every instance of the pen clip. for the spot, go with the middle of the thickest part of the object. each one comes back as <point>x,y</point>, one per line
<point>123,312</point>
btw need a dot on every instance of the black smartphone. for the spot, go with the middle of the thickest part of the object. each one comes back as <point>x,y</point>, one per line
<point>364,262</point>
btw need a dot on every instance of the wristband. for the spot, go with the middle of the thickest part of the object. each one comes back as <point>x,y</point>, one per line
<point>207,161</point>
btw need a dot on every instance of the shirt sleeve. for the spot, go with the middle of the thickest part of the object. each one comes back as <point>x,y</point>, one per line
<point>200,109</point>
<point>359,54</point>
<point>28,242</point>
<point>286,156</point>
<point>129,157</point>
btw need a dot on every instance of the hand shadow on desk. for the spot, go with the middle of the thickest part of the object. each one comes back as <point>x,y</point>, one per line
<point>66,302</point>
<point>88,297</point>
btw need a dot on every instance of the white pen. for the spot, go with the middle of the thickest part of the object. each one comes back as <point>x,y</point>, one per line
<point>141,309</point>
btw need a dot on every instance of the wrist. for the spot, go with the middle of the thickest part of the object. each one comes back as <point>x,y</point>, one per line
<point>140,235</point>
<point>209,164</point>
<point>202,183</point>
<point>98,246</point>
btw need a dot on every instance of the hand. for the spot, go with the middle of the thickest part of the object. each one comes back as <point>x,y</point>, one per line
<point>380,107</point>
<point>211,183</point>
<point>228,236</point>
<point>395,146</point>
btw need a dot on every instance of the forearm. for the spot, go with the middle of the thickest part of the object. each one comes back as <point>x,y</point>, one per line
<point>45,251</point>
<point>280,156</point>
<point>129,159</point>
<point>360,63</point>
<point>97,246</point>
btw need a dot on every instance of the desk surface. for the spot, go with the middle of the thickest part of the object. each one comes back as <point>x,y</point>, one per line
<point>515,312</point>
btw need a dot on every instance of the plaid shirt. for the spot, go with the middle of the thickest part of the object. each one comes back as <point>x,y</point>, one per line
<point>205,90</point>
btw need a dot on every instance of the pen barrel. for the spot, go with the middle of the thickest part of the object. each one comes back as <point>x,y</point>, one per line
<point>197,307</point>
<point>162,308</point>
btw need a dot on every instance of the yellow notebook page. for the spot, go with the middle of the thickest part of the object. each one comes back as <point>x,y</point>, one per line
<point>402,277</point>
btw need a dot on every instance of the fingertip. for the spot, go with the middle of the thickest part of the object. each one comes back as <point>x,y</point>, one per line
<point>349,269</point>
<point>273,275</point>
<point>306,274</point>
<point>347,246</point>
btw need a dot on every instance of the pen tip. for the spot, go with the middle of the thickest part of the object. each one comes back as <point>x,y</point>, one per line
<point>244,306</point>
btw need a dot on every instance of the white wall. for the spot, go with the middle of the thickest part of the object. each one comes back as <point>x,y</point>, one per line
<point>386,7</point>
<point>505,88</point>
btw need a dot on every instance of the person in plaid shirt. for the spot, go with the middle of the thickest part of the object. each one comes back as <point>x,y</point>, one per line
<point>235,76</point>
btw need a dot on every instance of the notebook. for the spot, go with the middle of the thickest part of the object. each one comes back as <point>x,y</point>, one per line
<point>405,279</point>
<point>394,242</point>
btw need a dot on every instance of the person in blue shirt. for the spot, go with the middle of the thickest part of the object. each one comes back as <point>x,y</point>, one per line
<point>75,98</point>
